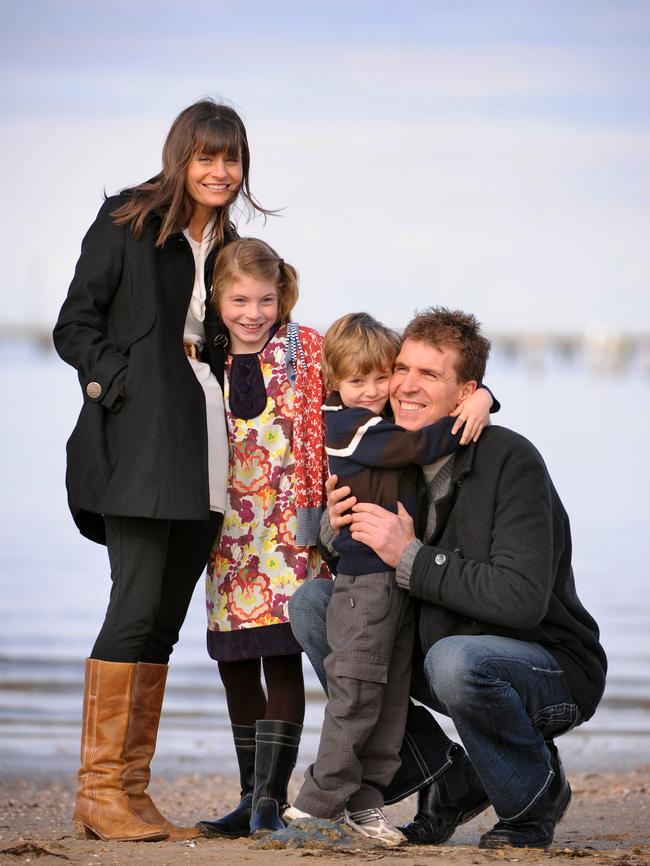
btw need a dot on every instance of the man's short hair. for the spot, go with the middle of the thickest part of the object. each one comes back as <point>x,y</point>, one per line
<point>357,343</point>
<point>442,327</point>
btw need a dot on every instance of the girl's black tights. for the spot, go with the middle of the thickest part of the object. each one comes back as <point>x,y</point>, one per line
<point>285,689</point>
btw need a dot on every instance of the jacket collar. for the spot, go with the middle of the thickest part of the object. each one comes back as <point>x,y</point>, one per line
<point>463,463</point>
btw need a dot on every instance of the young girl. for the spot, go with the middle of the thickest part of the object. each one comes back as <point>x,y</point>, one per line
<point>147,461</point>
<point>274,392</point>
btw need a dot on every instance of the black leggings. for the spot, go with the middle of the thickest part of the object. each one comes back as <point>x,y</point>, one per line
<point>155,565</point>
<point>284,684</point>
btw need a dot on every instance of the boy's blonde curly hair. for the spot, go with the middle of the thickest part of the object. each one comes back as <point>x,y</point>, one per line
<point>357,343</point>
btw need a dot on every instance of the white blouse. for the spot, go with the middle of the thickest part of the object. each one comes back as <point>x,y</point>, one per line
<point>215,413</point>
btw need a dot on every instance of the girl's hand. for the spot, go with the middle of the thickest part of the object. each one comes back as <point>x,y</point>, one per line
<point>474,413</point>
<point>338,501</point>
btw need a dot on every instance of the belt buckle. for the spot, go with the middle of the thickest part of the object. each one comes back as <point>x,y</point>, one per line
<point>192,350</point>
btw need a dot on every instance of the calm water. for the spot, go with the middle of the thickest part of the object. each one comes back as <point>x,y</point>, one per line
<point>54,584</point>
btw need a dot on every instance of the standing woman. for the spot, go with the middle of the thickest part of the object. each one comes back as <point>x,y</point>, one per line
<point>148,459</point>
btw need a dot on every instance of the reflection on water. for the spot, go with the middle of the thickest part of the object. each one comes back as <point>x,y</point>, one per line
<point>55,584</point>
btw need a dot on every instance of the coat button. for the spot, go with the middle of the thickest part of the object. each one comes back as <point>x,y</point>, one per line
<point>94,390</point>
<point>440,559</point>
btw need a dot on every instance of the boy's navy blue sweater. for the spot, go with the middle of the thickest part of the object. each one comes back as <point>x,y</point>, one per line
<point>379,461</point>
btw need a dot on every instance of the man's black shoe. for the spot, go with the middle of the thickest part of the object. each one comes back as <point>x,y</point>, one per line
<point>453,798</point>
<point>534,828</point>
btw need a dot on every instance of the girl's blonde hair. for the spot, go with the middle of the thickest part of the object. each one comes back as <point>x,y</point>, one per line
<point>254,258</point>
<point>357,343</point>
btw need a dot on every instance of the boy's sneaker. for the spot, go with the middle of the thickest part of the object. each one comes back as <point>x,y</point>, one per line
<point>291,813</point>
<point>375,825</point>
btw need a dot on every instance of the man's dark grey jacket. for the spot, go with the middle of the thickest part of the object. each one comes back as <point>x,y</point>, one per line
<point>499,562</point>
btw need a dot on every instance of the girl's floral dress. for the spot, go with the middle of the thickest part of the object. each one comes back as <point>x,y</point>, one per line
<point>256,565</point>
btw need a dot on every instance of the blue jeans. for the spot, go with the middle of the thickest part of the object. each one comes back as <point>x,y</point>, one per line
<point>505,697</point>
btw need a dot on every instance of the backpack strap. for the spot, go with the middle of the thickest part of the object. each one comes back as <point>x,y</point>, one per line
<point>295,352</point>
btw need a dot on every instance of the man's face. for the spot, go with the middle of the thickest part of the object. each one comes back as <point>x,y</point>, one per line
<point>424,386</point>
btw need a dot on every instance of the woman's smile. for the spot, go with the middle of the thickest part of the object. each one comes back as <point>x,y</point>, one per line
<point>213,180</point>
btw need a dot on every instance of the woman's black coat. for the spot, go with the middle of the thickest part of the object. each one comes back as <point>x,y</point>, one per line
<point>139,448</point>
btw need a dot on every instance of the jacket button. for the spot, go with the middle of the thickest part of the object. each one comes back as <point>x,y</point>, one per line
<point>457,550</point>
<point>440,559</point>
<point>94,390</point>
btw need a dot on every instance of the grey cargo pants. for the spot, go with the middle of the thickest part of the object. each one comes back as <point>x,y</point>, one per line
<point>370,631</point>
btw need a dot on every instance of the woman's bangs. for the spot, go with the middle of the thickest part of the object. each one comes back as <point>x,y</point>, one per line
<point>218,136</point>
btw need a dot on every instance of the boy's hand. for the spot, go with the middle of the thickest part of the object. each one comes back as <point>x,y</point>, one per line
<point>338,501</point>
<point>386,533</point>
<point>474,413</point>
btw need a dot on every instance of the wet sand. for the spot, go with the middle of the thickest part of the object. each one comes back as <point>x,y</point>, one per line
<point>608,822</point>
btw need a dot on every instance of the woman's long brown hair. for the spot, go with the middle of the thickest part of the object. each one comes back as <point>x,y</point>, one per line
<point>205,127</point>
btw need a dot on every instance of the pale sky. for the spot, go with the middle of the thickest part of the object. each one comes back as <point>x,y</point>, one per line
<point>493,156</point>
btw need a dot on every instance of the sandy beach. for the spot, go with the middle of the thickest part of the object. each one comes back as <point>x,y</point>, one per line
<point>608,822</point>
<point>42,651</point>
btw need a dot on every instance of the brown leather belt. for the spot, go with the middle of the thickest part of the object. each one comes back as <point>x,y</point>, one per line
<point>192,350</point>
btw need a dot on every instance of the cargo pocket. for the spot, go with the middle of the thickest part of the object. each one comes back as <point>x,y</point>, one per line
<point>362,669</point>
<point>378,598</point>
<point>345,616</point>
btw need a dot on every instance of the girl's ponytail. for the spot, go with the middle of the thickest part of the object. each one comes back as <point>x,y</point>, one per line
<point>287,290</point>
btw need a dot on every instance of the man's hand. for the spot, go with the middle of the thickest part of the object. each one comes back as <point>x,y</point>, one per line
<point>386,533</point>
<point>338,501</point>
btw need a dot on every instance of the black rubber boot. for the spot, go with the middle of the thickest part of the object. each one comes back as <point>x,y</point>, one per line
<point>454,797</point>
<point>535,827</point>
<point>276,752</point>
<point>237,822</point>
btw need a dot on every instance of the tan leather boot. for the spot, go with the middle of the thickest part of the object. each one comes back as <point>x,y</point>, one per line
<point>102,808</point>
<point>146,705</point>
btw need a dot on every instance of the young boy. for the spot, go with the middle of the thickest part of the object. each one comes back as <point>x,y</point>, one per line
<point>370,623</point>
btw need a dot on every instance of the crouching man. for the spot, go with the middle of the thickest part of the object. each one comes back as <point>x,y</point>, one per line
<point>505,647</point>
